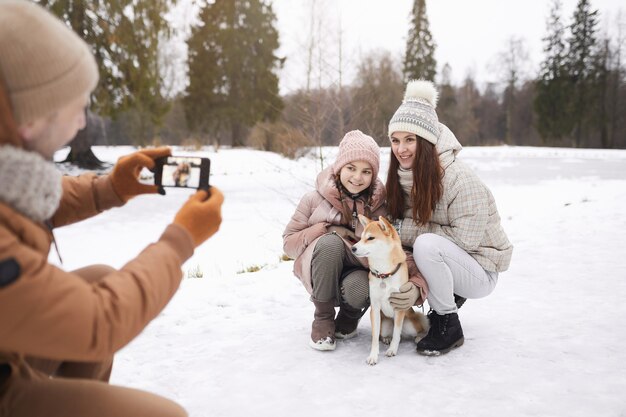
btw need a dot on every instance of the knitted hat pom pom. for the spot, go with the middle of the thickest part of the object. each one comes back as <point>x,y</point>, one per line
<point>421,89</point>
<point>417,112</point>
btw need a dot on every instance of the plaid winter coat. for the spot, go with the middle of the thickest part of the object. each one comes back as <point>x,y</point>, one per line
<point>466,214</point>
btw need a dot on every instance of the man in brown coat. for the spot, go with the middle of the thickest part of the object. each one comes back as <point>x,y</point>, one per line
<point>59,330</point>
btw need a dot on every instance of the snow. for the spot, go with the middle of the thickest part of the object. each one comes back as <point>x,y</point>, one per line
<point>549,341</point>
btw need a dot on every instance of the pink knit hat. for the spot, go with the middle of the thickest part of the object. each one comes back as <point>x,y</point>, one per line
<point>357,146</point>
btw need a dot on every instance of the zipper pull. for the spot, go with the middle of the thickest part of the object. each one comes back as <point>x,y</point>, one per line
<point>355,215</point>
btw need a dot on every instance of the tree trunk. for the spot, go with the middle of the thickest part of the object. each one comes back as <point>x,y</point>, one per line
<point>81,154</point>
<point>236,132</point>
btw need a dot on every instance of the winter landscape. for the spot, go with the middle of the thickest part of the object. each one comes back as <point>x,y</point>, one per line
<point>548,342</point>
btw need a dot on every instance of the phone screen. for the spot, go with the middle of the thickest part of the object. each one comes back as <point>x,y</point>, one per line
<point>183,172</point>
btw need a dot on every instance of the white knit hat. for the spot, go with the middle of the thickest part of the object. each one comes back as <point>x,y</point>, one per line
<point>43,63</point>
<point>357,146</point>
<point>417,113</point>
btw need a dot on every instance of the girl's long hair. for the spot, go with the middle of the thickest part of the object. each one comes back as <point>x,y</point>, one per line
<point>8,127</point>
<point>427,187</point>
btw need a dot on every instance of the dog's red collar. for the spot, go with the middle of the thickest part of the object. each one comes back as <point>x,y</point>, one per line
<point>383,276</point>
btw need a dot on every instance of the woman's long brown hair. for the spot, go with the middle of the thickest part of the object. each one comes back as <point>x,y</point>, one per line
<point>8,127</point>
<point>427,184</point>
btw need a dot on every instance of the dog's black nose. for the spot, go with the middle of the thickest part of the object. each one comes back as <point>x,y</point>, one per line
<point>353,249</point>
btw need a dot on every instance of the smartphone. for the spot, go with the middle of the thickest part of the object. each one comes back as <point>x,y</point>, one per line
<point>182,172</point>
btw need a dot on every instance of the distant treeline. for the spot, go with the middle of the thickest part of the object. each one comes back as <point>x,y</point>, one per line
<point>232,97</point>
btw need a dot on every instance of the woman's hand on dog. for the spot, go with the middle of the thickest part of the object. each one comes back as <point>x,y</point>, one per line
<point>405,298</point>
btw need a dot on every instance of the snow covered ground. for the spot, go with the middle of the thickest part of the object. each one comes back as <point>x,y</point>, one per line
<point>548,342</point>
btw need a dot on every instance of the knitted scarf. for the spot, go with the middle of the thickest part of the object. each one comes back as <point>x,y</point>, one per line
<point>29,184</point>
<point>405,176</point>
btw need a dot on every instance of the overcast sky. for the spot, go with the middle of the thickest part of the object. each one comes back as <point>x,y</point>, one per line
<point>468,34</point>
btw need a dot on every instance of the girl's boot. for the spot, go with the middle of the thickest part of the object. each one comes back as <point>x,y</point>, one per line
<point>347,321</point>
<point>323,327</point>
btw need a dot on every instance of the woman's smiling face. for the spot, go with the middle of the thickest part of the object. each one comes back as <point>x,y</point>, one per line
<point>404,146</point>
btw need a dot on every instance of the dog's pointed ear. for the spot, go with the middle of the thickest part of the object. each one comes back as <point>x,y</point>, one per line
<point>385,225</point>
<point>364,220</point>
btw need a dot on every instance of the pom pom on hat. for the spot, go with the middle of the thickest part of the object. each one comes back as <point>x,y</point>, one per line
<point>420,89</point>
<point>417,113</point>
<point>357,146</point>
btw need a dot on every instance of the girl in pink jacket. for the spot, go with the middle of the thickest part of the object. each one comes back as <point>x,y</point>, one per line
<point>322,231</point>
<point>324,228</point>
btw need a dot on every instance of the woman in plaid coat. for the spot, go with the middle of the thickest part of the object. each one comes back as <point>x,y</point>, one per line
<point>445,213</point>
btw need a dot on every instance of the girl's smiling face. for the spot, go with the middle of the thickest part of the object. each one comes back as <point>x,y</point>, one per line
<point>356,176</point>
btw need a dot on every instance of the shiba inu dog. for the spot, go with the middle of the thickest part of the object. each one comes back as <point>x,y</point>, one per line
<point>381,245</point>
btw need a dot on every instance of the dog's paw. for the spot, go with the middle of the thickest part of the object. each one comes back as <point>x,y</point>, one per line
<point>391,352</point>
<point>385,339</point>
<point>372,360</point>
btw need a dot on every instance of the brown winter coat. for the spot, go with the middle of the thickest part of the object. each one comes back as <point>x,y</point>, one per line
<point>48,312</point>
<point>322,208</point>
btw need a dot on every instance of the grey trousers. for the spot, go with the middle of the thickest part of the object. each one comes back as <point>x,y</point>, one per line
<point>450,270</point>
<point>337,275</point>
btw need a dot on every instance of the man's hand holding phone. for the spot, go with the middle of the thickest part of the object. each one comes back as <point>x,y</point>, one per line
<point>125,175</point>
<point>201,215</point>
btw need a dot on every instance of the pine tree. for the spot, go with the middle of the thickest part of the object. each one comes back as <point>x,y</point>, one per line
<point>581,66</point>
<point>419,59</point>
<point>232,83</point>
<point>124,36</point>
<point>447,104</point>
<point>553,88</point>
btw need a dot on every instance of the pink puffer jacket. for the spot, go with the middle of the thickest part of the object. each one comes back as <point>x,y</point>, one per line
<point>322,208</point>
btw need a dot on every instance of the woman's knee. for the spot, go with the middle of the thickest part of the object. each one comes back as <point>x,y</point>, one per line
<point>426,247</point>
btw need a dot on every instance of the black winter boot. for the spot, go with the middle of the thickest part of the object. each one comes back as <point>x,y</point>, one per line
<point>323,326</point>
<point>347,321</point>
<point>445,334</point>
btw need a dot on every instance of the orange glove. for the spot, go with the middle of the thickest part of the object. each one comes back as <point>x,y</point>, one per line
<point>125,175</point>
<point>201,215</point>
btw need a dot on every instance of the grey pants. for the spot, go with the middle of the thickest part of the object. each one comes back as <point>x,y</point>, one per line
<point>337,275</point>
<point>450,270</point>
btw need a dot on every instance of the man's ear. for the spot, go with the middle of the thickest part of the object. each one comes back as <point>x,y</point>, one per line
<point>26,132</point>
<point>30,130</point>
